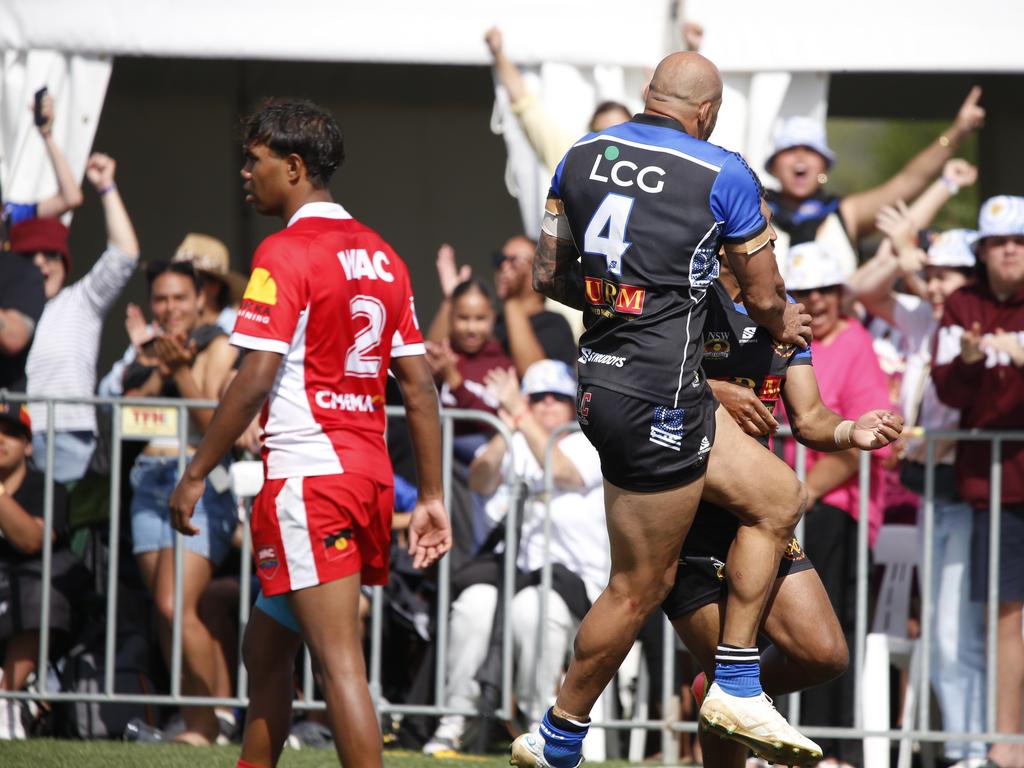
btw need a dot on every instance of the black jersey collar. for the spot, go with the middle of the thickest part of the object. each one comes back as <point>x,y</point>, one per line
<point>659,120</point>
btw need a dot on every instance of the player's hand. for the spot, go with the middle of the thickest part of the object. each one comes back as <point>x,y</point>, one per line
<point>971,116</point>
<point>100,170</point>
<point>960,172</point>
<point>796,326</point>
<point>183,501</point>
<point>430,533</point>
<point>494,41</point>
<point>970,345</point>
<point>875,429</point>
<point>745,407</point>
<point>449,274</point>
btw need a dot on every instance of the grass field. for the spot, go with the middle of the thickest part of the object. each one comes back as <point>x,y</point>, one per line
<point>50,753</point>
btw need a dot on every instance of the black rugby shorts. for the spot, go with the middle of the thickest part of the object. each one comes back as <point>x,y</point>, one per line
<point>700,579</point>
<point>645,446</point>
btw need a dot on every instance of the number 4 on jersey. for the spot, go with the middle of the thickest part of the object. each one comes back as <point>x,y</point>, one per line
<point>606,233</point>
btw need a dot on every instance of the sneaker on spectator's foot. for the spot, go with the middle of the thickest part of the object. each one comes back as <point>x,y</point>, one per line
<point>528,752</point>
<point>447,739</point>
<point>699,688</point>
<point>139,730</point>
<point>11,726</point>
<point>756,723</point>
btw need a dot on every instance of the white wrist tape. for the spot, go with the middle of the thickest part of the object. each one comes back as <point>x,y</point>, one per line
<point>844,434</point>
<point>556,225</point>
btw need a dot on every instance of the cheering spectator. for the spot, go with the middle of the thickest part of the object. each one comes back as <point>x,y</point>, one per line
<point>841,346</point>
<point>22,299</point>
<point>461,362</point>
<point>578,547</point>
<point>804,211</point>
<point>549,140</point>
<point>187,360</point>
<point>978,363</point>
<point>958,658</point>
<point>69,193</point>
<point>222,287</point>
<point>526,330</point>
<point>62,361</point>
<point>22,492</point>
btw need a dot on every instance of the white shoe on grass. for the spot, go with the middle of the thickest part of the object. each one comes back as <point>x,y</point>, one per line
<point>528,752</point>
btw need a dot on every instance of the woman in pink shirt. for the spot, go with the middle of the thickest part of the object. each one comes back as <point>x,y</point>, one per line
<point>851,382</point>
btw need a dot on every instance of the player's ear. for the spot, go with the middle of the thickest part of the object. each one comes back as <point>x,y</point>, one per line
<point>295,167</point>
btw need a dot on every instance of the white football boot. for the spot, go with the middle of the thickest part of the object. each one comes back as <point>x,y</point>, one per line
<point>528,752</point>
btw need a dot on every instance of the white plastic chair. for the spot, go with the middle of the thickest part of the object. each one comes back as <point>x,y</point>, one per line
<point>887,644</point>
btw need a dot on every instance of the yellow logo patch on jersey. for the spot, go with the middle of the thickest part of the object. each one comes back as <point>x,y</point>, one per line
<point>261,287</point>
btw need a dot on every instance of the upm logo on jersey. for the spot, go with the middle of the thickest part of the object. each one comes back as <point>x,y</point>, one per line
<point>627,299</point>
<point>625,173</point>
<point>346,401</point>
<point>357,263</point>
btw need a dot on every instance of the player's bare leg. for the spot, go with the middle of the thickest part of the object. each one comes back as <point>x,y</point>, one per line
<point>808,649</point>
<point>646,531</point>
<point>269,649</point>
<point>329,616</point>
<point>767,498</point>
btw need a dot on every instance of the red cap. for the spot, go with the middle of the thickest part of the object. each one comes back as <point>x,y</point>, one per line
<point>18,414</point>
<point>47,235</point>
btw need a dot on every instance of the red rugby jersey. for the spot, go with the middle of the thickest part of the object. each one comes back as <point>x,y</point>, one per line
<point>331,296</point>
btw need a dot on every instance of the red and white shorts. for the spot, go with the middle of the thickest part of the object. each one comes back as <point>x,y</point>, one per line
<point>312,530</point>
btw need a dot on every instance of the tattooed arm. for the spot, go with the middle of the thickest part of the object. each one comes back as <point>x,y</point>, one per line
<point>557,272</point>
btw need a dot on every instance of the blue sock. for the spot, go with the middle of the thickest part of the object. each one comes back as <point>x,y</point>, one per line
<point>563,740</point>
<point>738,671</point>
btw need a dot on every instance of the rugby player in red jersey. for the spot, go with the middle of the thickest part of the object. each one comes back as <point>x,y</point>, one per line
<point>327,312</point>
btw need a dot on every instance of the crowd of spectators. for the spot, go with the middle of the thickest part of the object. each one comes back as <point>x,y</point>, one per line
<point>927,323</point>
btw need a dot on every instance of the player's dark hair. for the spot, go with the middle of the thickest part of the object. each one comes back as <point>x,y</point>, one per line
<point>468,286</point>
<point>156,268</point>
<point>608,106</point>
<point>301,128</point>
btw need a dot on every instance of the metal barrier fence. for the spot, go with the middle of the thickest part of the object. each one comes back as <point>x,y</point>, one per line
<point>169,417</point>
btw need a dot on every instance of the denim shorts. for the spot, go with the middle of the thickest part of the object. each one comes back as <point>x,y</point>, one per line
<point>153,479</point>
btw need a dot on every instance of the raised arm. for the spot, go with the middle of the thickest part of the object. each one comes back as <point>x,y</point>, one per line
<point>100,170</point>
<point>69,193</point>
<point>859,210</point>
<point>557,272</point>
<point>449,275</point>
<point>507,73</point>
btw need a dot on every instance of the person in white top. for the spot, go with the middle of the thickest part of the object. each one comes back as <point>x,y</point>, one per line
<point>578,547</point>
<point>958,626</point>
<point>62,361</point>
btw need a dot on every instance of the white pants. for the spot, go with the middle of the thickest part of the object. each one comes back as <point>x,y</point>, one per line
<point>958,630</point>
<point>469,636</point>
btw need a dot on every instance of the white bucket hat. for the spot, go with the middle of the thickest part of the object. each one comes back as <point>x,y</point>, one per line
<point>800,132</point>
<point>953,248</point>
<point>552,376</point>
<point>1000,216</point>
<point>812,265</point>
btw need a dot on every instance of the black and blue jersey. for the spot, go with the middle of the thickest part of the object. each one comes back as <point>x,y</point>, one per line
<point>649,207</point>
<point>738,350</point>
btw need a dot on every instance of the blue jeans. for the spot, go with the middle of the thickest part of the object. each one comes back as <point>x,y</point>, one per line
<point>71,453</point>
<point>957,665</point>
<point>153,479</point>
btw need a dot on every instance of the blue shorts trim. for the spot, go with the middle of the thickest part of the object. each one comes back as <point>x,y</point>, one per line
<point>277,608</point>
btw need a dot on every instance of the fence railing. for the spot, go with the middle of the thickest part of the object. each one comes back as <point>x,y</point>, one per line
<point>140,418</point>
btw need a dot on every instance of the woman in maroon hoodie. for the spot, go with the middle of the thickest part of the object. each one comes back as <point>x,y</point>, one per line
<point>461,362</point>
<point>978,367</point>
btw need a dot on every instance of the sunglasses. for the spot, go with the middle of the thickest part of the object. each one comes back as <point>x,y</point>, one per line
<point>540,397</point>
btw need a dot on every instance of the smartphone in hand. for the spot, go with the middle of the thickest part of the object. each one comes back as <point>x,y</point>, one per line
<point>40,118</point>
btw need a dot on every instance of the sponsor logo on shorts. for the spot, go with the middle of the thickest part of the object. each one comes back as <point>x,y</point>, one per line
<point>748,334</point>
<point>583,406</point>
<point>667,427</point>
<point>719,569</point>
<point>716,345</point>
<point>587,355</point>
<point>338,543</point>
<point>347,401</point>
<point>794,551</point>
<point>705,446</point>
<point>266,561</point>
